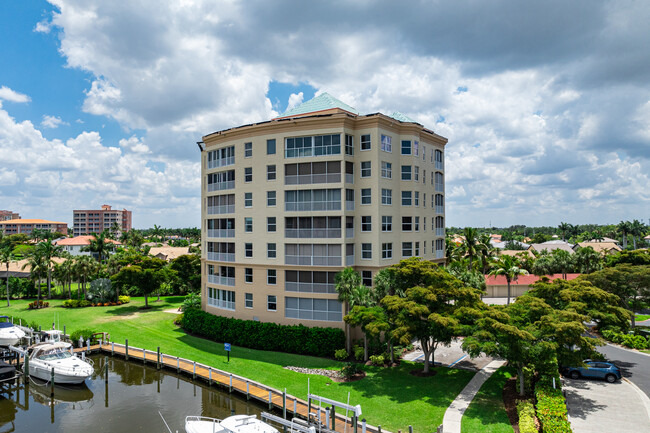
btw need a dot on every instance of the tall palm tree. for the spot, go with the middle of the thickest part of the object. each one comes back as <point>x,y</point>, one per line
<point>49,251</point>
<point>85,267</point>
<point>37,268</point>
<point>637,229</point>
<point>564,228</point>
<point>470,246</point>
<point>361,296</point>
<point>486,251</point>
<point>100,244</point>
<point>156,233</point>
<point>508,266</point>
<point>624,229</point>
<point>346,283</point>
<point>7,256</point>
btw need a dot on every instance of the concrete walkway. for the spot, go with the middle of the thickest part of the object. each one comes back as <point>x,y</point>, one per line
<point>455,411</point>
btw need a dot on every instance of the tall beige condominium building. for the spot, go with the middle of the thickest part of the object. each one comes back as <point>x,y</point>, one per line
<point>86,222</point>
<point>288,203</point>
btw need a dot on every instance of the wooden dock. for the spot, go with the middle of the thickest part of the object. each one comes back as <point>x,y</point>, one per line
<point>275,399</point>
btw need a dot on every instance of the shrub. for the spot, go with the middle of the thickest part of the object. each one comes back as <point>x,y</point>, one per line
<point>124,299</point>
<point>378,360</point>
<point>263,335</point>
<point>85,333</point>
<point>192,300</point>
<point>526,413</point>
<point>350,369</point>
<point>37,304</point>
<point>101,291</point>
<point>551,407</point>
<point>358,353</point>
<point>635,341</point>
<point>341,355</point>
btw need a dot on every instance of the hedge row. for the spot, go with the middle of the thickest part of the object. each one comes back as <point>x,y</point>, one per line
<point>526,413</point>
<point>551,407</point>
<point>264,336</point>
<point>629,340</point>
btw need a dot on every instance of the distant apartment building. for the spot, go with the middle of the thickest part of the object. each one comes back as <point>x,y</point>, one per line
<point>86,222</point>
<point>27,226</point>
<point>6,215</point>
<point>288,203</point>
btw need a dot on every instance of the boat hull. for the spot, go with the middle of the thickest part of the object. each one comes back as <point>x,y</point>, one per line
<point>10,336</point>
<point>44,372</point>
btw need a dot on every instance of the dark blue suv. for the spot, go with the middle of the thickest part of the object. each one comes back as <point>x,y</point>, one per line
<point>597,369</point>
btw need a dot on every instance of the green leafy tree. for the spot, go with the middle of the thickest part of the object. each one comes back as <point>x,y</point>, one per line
<point>385,284</point>
<point>587,260</point>
<point>188,271</point>
<point>346,282</point>
<point>562,262</point>
<point>564,229</point>
<point>146,277</point>
<point>508,266</point>
<point>6,257</point>
<point>636,257</point>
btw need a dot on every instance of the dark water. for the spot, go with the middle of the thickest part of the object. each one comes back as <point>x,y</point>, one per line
<point>129,403</point>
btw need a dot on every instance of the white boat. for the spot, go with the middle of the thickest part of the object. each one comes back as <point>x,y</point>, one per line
<point>232,424</point>
<point>68,368</point>
<point>10,334</point>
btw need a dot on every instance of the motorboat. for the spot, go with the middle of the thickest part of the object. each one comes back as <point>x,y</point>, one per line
<point>10,334</point>
<point>232,424</point>
<point>57,355</point>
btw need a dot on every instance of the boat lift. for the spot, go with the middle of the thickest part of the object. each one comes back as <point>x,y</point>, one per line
<point>294,425</point>
<point>331,414</point>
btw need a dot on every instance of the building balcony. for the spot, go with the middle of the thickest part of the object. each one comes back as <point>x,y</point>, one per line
<point>221,233</point>
<point>221,162</point>
<point>349,178</point>
<point>349,233</point>
<point>312,260</point>
<point>312,206</point>
<point>223,281</point>
<point>312,233</point>
<point>440,254</point>
<point>349,205</point>
<point>440,231</point>
<point>440,187</point>
<point>295,286</point>
<point>349,260</point>
<point>224,305</point>
<point>220,186</point>
<point>440,209</point>
<point>440,165</point>
<point>221,257</point>
<point>306,179</point>
<point>222,209</point>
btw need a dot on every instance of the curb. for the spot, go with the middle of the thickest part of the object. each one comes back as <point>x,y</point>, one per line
<point>642,395</point>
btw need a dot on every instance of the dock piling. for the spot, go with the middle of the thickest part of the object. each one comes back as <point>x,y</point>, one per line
<point>112,348</point>
<point>210,376</point>
<point>158,359</point>
<point>52,383</point>
<point>363,426</point>
<point>105,369</point>
<point>194,371</point>
<point>410,429</point>
<point>126,349</point>
<point>178,365</point>
<point>230,388</point>
<point>26,366</point>
<point>248,396</point>
<point>270,400</point>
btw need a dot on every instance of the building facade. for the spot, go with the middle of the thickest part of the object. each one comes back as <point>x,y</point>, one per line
<point>86,222</point>
<point>6,215</point>
<point>27,226</point>
<point>77,244</point>
<point>286,204</point>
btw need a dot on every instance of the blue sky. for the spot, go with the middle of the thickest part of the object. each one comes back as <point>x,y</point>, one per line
<point>546,105</point>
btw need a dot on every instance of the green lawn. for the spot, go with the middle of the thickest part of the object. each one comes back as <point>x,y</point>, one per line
<point>486,413</point>
<point>642,317</point>
<point>390,397</point>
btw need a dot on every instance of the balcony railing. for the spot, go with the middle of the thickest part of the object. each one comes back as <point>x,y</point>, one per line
<point>221,162</point>
<point>221,257</point>
<point>312,260</point>
<point>224,281</point>
<point>349,233</point>
<point>440,231</point>
<point>294,286</point>
<point>306,179</point>
<point>221,209</point>
<point>349,260</point>
<point>312,233</point>
<point>224,305</point>
<point>440,187</point>
<point>440,209</point>
<point>349,178</point>
<point>221,233</point>
<point>312,206</point>
<point>440,254</point>
<point>440,165</point>
<point>220,186</point>
<point>349,205</point>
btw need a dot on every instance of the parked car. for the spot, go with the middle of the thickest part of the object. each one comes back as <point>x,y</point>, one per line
<point>596,369</point>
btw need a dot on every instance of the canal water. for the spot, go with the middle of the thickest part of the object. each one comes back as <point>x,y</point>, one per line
<point>130,402</point>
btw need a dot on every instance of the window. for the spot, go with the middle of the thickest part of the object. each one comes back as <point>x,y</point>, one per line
<point>313,309</point>
<point>386,223</point>
<point>248,300</point>
<point>271,277</point>
<point>386,144</point>
<point>366,278</point>
<point>366,251</point>
<point>417,224</point>
<point>387,251</point>
<point>416,198</point>
<point>270,146</point>
<point>407,224</point>
<point>406,147</point>
<point>386,196</point>
<point>270,224</point>
<point>416,173</point>
<point>248,199</point>
<point>424,248</point>
<point>270,172</point>
<point>406,198</point>
<point>407,249</point>
<point>439,160</point>
<point>424,200</point>
<point>271,250</point>
<point>366,197</point>
<point>366,170</point>
<point>270,198</point>
<point>248,224</point>
<point>248,150</point>
<point>424,153</point>
<point>416,148</point>
<point>248,275</point>
<point>349,199</point>
<point>216,158</point>
<point>417,248</point>
<point>386,170</point>
<point>406,172</point>
<point>424,177</point>
<point>424,224</point>
<point>440,182</point>
<point>248,174</point>
<point>271,303</point>
<point>349,145</point>
<point>439,201</point>
<point>223,299</point>
<point>366,223</point>
<point>312,200</point>
<point>310,281</point>
<point>248,250</point>
<point>365,142</point>
<point>296,147</point>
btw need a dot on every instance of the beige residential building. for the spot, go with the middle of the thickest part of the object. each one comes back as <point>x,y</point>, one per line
<point>87,222</point>
<point>288,203</point>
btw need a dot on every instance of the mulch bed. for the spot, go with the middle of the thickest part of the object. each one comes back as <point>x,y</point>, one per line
<point>510,398</point>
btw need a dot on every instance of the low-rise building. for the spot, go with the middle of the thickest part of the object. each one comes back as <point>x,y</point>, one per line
<point>27,226</point>
<point>497,285</point>
<point>75,245</point>
<point>168,253</point>
<point>6,215</point>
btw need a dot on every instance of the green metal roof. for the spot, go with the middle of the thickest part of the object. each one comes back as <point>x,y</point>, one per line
<point>324,101</point>
<point>402,117</point>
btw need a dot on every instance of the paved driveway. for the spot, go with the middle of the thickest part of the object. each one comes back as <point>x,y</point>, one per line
<point>452,356</point>
<point>596,406</point>
<point>635,366</point>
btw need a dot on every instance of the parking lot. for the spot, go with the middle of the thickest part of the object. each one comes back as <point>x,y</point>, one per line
<point>452,356</point>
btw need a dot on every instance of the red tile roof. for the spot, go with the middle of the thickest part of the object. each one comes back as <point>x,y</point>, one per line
<point>500,280</point>
<point>81,240</point>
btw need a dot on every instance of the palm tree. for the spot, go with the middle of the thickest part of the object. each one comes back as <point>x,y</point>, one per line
<point>346,283</point>
<point>361,296</point>
<point>48,250</point>
<point>624,228</point>
<point>637,228</point>
<point>156,233</point>
<point>100,244</point>
<point>385,284</point>
<point>508,266</point>
<point>486,251</point>
<point>7,256</point>
<point>470,246</point>
<point>115,230</point>
<point>85,267</point>
<point>37,268</point>
<point>564,228</point>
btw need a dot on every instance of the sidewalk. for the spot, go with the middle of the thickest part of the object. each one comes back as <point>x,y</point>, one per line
<point>455,411</point>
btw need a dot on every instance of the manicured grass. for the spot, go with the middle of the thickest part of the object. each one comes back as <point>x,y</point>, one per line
<point>642,317</point>
<point>486,413</point>
<point>390,397</point>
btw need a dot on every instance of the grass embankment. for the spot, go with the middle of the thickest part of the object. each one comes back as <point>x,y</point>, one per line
<point>390,397</point>
<point>642,317</point>
<point>486,413</point>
